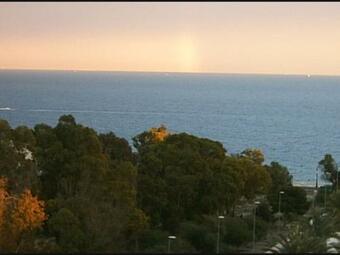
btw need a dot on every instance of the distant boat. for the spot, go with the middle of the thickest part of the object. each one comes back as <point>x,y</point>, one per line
<point>308,75</point>
<point>5,109</point>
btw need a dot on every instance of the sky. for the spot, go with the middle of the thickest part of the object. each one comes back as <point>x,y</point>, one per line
<point>216,37</point>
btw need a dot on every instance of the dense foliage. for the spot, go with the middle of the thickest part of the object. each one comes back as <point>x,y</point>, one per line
<point>91,192</point>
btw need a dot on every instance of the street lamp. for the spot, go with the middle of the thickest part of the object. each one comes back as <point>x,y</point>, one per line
<point>316,177</point>
<point>280,193</point>
<point>218,233</point>
<point>337,179</point>
<point>314,198</point>
<point>169,241</point>
<point>328,175</point>
<point>337,176</point>
<point>325,194</point>
<point>254,223</point>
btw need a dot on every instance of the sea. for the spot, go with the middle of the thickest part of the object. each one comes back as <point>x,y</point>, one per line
<point>293,119</point>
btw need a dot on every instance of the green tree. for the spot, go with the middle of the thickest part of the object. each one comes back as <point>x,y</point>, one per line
<point>254,154</point>
<point>256,178</point>
<point>66,227</point>
<point>17,161</point>
<point>236,231</point>
<point>92,176</point>
<point>280,181</point>
<point>50,155</point>
<point>176,176</point>
<point>116,148</point>
<point>294,200</point>
<point>329,168</point>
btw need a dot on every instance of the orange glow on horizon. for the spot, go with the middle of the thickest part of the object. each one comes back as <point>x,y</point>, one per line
<point>281,38</point>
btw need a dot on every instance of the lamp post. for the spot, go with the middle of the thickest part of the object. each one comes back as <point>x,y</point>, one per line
<point>328,176</point>
<point>316,177</point>
<point>337,176</point>
<point>218,233</point>
<point>314,198</point>
<point>325,194</point>
<point>337,180</point>
<point>254,223</point>
<point>280,193</point>
<point>169,242</point>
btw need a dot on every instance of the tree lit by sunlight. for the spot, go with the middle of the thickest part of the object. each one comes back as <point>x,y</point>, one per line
<point>159,134</point>
<point>20,215</point>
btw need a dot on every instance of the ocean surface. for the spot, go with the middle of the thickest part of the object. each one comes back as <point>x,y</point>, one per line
<point>294,119</point>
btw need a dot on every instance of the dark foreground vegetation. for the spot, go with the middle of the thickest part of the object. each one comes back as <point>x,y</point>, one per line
<point>69,189</point>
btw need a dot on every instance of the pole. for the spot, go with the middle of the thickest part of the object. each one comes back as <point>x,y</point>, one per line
<point>280,193</point>
<point>325,197</point>
<point>254,224</point>
<point>169,240</point>
<point>337,178</point>
<point>218,237</point>
<point>316,177</point>
<point>218,233</point>
<point>279,211</point>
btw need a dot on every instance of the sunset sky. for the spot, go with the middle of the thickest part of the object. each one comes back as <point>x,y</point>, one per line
<point>280,38</point>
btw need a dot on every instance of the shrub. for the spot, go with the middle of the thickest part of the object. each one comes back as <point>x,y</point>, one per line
<point>261,226</point>
<point>236,231</point>
<point>264,211</point>
<point>199,235</point>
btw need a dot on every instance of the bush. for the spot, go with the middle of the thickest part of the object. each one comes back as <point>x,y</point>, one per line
<point>294,201</point>
<point>154,241</point>
<point>199,235</point>
<point>261,226</point>
<point>320,195</point>
<point>181,245</point>
<point>264,211</point>
<point>235,231</point>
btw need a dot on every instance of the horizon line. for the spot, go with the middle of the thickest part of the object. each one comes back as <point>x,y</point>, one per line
<point>168,72</point>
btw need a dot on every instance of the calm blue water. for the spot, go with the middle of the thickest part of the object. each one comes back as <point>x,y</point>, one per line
<point>293,119</point>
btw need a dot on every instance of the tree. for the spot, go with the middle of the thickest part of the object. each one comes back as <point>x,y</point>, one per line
<point>3,201</point>
<point>264,211</point>
<point>17,161</point>
<point>294,200</point>
<point>258,180</point>
<point>21,216</point>
<point>154,135</point>
<point>65,153</point>
<point>255,177</point>
<point>91,180</point>
<point>116,148</point>
<point>178,175</point>
<point>50,155</point>
<point>200,235</point>
<point>329,168</point>
<point>28,213</point>
<point>236,231</point>
<point>254,154</point>
<point>281,180</point>
<point>233,184</point>
<point>66,227</point>
<point>280,175</point>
